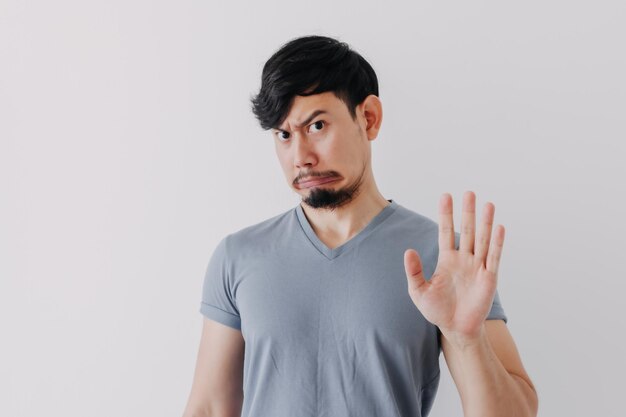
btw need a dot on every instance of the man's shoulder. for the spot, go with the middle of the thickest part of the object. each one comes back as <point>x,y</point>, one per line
<point>426,227</point>
<point>412,220</point>
<point>264,230</point>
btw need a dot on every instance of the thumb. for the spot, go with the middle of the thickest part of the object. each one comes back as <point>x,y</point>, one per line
<point>414,271</point>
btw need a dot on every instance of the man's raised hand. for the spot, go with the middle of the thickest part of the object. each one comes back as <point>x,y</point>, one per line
<point>458,296</point>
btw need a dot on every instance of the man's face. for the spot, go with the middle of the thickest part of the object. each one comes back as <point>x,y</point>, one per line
<point>323,152</point>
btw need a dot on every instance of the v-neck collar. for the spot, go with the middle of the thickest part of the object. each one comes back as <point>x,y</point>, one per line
<point>354,240</point>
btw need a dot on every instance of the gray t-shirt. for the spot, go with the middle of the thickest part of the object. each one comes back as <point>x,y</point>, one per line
<point>329,332</point>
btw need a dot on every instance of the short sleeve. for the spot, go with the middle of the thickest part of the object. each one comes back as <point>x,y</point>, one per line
<point>497,311</point>
<point>217,301</point>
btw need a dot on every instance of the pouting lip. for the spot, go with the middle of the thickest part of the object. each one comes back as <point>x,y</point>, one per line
<point>315,179</point>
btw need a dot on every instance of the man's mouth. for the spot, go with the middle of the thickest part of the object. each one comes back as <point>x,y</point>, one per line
<point>316,181</point>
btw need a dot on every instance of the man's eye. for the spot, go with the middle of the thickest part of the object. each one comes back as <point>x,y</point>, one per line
<point>317,124</point>
<point>281,137</point>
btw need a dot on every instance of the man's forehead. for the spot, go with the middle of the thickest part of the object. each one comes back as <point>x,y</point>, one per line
<point>304,108</point>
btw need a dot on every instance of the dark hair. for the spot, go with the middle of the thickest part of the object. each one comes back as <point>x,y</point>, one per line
<point>312,65</point>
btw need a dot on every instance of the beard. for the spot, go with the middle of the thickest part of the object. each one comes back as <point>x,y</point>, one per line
<point>326,198</point>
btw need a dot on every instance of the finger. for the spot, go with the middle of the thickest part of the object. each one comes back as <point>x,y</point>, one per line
<point>468,221</point>
<point>414,272</point>
<point>495,250</point>
<point>482,242</point>
<point>446,226</point>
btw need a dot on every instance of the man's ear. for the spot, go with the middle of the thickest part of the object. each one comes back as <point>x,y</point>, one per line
<point>372,110</point>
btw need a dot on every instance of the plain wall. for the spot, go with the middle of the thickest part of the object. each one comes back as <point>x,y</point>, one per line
<point>128,150</point>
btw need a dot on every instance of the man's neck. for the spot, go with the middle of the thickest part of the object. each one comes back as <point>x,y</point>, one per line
<point>341,224</point>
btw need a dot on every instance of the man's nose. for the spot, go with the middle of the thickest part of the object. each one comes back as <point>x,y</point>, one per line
<point>303,151</point>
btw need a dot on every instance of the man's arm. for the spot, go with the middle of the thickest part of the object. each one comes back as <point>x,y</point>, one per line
<point>489,375</point>
<point>217,389</point>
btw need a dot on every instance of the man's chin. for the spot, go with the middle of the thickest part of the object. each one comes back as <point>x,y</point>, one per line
<point>320,199</point>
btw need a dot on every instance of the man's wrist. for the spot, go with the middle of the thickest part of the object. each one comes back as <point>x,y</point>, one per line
<point>466,343</point>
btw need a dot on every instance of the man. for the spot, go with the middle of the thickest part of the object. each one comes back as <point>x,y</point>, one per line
<point>342,305</point>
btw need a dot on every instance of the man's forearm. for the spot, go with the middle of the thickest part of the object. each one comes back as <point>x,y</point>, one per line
<point>486,388</point>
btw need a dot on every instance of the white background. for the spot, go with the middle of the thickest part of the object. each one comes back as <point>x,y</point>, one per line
<point>128,149</point>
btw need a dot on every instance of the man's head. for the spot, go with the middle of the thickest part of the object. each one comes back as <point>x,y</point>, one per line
<point>312,74</point>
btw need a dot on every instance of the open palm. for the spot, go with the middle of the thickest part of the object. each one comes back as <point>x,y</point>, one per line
<point>458,296</point>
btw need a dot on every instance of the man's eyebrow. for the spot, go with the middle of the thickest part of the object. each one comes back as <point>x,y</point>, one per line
<point>308,119</point>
